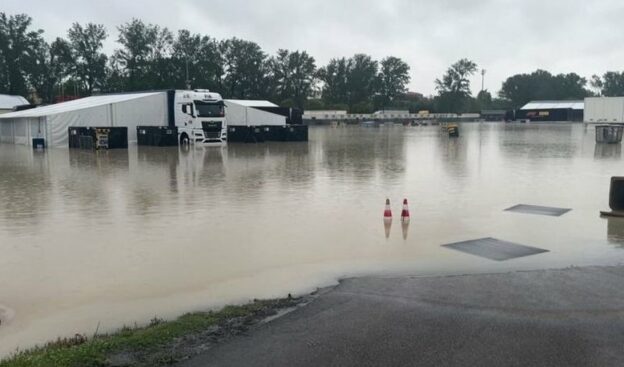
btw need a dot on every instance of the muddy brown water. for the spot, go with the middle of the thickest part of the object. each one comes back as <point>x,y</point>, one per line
<point>118,237</point>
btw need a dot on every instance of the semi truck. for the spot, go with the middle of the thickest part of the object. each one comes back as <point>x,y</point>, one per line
<point>199,116</point>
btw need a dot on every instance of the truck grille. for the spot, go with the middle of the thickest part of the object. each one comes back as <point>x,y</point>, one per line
<point>212,135</point>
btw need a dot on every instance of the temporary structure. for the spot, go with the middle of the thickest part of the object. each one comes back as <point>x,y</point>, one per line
<point>9,102</point>
<point>52,122</point>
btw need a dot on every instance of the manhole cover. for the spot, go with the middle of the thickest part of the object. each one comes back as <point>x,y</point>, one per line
<point>494,249</point>
<point>536,209</point>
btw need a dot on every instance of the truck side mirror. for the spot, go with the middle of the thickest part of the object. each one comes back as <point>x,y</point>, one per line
<point>184,108</point>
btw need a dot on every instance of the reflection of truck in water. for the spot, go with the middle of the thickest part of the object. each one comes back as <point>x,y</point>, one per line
<point>199,116</point>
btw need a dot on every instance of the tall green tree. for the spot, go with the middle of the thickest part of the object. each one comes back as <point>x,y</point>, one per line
<point>292,76</point>
<point>454,87</point>
<point>89,60</point>
<point>54,66</point>
<point>542,85</point>
<point>361,82</point>
<point>334,79</point>
<point>200,56</point>
<point>20,47</point>
<point>610,85</point>
<point>144,58</point>
<point>245,69</point>
<point>484,100</point>
<point>393,78</point>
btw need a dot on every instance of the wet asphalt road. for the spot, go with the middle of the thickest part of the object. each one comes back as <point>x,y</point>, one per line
<point>570,317</point>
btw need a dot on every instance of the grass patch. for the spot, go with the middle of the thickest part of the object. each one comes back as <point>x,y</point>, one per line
<point>150,345</point>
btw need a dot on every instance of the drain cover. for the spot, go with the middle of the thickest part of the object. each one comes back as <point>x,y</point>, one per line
<point>536,209</point>
<point>494,249</point>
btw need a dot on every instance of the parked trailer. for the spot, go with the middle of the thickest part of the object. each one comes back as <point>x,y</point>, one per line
<point>604,110</point>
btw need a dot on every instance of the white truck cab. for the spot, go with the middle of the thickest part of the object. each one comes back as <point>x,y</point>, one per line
<point>200,117</point>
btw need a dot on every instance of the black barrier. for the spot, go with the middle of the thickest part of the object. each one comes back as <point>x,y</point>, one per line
<point>158,136</point>
<point>296,133</point>
<point>259,134</point>
<point>616,194</point>
<point>38,143</point>
<point>245,134</point>
<point>98,137</point>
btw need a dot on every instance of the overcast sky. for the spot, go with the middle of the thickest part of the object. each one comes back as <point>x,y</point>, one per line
<point>504,37</point>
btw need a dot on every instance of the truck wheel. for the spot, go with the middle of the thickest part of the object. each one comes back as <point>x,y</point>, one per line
<point>184,139</point>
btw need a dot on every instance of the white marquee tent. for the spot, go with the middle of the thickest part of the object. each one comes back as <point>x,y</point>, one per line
<point>52,122</point>
<point>9,102</point>
<point>247,113</point>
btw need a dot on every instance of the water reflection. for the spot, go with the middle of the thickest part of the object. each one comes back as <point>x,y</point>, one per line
<point>536,141</point>
<point>615,231</point>
<point>104,161</point>
<point>25,188</point>
<point>612,151</point>
<point>387,227</point>
<point>362,153</point>
<point>404,229</point>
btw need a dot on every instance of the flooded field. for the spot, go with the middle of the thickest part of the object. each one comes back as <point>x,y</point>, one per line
<point>118,237</point>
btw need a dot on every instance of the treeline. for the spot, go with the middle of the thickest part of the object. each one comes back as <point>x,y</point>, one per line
<point>151,57</point>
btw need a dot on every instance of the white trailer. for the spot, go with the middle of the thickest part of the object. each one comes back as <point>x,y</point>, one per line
<point>604,110</point>
<point>241,112</point>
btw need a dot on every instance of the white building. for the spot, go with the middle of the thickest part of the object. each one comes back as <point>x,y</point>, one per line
<point>8,102</point>
<point>52,122</point>
<point>324,114</point>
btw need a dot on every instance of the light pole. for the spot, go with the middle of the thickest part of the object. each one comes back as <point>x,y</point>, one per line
<point>188,81</point>
<point>482,79</point>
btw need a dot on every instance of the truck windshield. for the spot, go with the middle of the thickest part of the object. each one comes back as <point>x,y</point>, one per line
<point>209,109</point>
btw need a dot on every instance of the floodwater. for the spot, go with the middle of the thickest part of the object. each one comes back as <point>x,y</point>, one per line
<point>118,237</point>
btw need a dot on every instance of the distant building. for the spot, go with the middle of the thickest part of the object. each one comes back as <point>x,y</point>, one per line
<point>493,115</point>
<point>323,114</point>
<point>391,112</point>
<point>8,103</point>
<point>552,111</point>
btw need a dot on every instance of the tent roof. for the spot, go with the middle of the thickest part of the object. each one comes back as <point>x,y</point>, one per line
<point>77,104</point>
<point>252,103</point>
<point>8,102</point>
<point>553,105</point>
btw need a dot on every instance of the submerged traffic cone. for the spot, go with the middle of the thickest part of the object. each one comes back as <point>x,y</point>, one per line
<point>387,211</point>
<point>405,217</point>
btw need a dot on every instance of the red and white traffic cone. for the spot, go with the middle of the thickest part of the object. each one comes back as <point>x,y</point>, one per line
<point>405,217</point>
<point>387,211</point>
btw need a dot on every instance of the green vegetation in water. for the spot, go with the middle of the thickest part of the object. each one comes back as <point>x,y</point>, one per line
<point>159,343</point>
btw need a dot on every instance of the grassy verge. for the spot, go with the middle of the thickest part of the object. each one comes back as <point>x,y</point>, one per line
<point>159,343</point>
